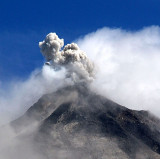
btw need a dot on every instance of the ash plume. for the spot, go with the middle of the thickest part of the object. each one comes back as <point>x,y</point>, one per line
<point>75,61</point>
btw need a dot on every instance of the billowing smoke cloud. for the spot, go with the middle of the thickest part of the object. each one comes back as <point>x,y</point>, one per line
<point>78,66</point>
<point>128,66</point>
<point>51,46</point>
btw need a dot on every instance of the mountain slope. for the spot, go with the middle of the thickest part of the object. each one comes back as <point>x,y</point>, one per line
<point>75,122</point>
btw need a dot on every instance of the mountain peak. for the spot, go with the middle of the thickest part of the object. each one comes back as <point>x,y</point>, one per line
<point>76,120</point>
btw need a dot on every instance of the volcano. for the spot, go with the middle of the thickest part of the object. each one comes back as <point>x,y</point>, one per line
<point>75,123</point>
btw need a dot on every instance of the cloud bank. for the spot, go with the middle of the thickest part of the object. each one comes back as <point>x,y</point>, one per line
<point>128,66</point>
<point>20,95</point>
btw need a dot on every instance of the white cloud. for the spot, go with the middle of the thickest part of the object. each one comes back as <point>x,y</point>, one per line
<point>128,65</point>
<point>20,95</point>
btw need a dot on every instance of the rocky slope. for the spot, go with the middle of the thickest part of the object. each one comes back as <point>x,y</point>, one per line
<point>76,123</point>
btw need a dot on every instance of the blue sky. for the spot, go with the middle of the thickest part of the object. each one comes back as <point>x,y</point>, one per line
<point>24,23</point>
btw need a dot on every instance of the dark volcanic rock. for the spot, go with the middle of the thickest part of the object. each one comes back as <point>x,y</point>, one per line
<point>75,122</point>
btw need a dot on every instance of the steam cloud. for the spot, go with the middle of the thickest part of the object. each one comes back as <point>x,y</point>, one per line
<point>20,95</point>
<point>128,66</point>
<point>78,66</point>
